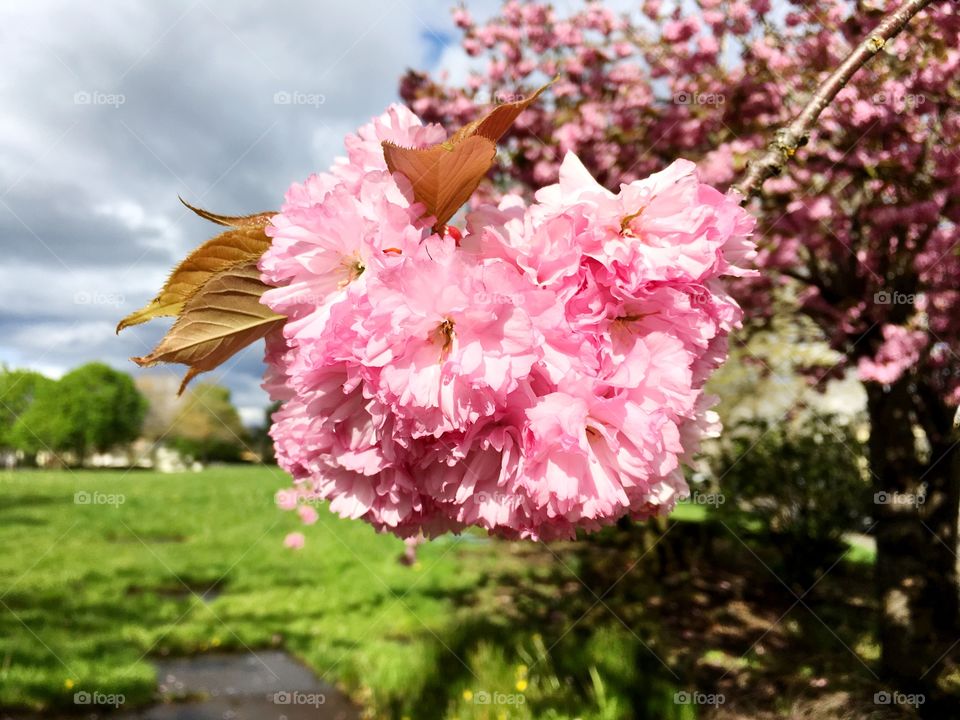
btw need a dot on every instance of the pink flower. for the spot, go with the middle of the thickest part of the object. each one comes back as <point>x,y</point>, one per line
<point>462,18</point>
<point>308,515</point>
<point>336,224</point>
<point>543,375</point>
<point>451,335</point>
<point>287,499</point>
<point>294,541</point>
<point>589,459</point>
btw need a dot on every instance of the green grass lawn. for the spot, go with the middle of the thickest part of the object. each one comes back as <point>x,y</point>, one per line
<point>174,565</point>
<point>89,592</point>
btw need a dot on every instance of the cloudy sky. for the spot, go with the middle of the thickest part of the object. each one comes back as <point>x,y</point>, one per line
<point>110,110</point>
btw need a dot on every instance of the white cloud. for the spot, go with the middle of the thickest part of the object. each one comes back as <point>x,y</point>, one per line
<point>116,107</point>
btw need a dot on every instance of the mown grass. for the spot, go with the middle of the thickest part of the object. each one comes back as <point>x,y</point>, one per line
<point>90,592</point>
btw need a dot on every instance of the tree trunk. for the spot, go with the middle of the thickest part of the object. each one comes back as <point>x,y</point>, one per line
<point>916,505</point>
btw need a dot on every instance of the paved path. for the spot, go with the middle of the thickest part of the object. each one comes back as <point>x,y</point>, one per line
<point>268,685</point>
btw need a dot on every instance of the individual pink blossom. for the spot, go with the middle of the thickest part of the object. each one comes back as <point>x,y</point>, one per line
<point>287,499</point>
<point>294,541</point>
<point>451,336</point>
<point>308,514</point>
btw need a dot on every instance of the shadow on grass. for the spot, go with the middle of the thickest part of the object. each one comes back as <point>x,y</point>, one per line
<point>644,614</point>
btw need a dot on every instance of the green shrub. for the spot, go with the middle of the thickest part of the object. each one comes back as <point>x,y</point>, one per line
<point>797,486</point>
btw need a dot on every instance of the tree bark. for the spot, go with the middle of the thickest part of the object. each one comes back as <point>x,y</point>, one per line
<point>917,507</point>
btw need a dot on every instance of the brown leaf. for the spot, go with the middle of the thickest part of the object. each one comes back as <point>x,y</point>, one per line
<point>496,123</point>
<point>257,220</point>
<point>220,319</point>
<point>231,248</point>
<point>444,176</point>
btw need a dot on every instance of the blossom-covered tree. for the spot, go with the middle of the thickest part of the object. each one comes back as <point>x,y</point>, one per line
<point>863,223</point>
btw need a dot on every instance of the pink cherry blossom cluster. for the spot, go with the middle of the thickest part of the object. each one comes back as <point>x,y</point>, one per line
<point>540,372</point>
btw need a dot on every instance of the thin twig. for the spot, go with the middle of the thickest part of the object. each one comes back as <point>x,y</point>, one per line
<point>795,135</point>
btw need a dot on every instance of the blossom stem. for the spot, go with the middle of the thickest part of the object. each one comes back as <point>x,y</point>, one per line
<point>795,135</point>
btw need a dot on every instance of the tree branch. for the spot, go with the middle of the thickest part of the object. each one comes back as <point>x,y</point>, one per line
<point>795,135</point>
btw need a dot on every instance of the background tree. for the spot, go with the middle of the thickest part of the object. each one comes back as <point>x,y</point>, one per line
<point>863,225</point>
<point>92,408</point>
<point>18,390</point>
<point>207,426</point>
